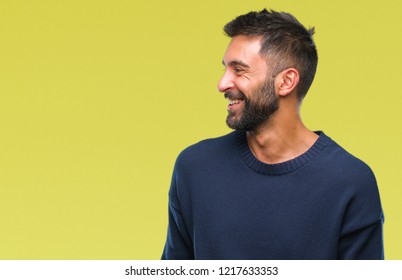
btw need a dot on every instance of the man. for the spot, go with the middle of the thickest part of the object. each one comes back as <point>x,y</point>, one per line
<point>271,189</point>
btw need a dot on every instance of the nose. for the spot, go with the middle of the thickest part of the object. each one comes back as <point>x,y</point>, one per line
<point>226,82</point>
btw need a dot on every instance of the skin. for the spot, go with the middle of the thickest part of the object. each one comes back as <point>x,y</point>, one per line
<point>283,136</point>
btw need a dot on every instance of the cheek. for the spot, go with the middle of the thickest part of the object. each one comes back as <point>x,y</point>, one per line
<point>243,86</point>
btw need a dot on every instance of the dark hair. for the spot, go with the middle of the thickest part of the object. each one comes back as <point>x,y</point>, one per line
<point>285,42</point>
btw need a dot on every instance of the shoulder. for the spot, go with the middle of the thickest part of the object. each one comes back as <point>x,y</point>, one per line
<point>351,181</point>
<point>347,168</point>
<point>208,149</point>
<point>345,160</point>
<point>199,161</point>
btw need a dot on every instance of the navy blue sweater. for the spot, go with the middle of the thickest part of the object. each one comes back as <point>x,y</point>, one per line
<point>226,204</point>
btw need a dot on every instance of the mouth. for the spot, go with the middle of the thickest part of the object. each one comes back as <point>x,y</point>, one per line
<point>235,100</point>
<point>234,103</point>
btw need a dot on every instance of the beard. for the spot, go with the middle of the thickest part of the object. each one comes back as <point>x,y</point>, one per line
<point>258,108</point>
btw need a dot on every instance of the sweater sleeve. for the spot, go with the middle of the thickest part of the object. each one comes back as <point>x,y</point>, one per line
<point>362,229</point>
<point>178,244</point>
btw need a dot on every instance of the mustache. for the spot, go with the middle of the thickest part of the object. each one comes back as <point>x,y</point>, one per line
<point>232,95</point>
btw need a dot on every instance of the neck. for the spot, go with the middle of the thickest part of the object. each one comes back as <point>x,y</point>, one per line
<point>282,138</point>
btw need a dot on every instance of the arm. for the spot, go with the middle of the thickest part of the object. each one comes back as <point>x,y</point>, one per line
<point>364,243</point>
<point>178,242</point>
<point>362,229</point>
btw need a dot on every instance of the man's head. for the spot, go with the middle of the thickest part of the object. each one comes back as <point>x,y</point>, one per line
<point>285,43</point>
<point>264,44</point>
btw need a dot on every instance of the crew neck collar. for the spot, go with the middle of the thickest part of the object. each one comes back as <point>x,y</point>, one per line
<point>284,167</point>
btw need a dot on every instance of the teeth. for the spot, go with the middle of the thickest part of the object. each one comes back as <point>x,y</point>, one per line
<point>234,101</point>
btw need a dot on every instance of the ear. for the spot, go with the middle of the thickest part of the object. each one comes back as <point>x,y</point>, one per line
<point>286,81</point>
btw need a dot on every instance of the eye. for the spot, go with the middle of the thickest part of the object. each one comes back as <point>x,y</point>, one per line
<point>238,70</point>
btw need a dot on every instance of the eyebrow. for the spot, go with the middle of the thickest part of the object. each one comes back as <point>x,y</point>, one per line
<point>236,63</point>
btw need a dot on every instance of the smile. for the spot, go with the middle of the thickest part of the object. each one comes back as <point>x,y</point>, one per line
<point>234,101</point>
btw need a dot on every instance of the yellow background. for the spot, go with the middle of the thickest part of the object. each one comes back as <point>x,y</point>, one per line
<point>98,97</point>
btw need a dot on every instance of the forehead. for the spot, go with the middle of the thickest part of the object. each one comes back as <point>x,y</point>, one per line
<point>243,49</point>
